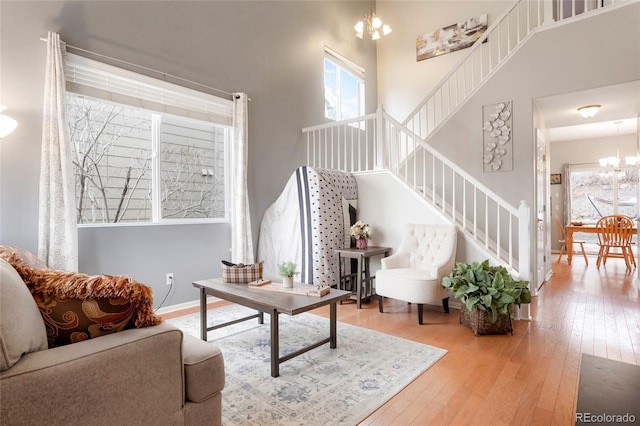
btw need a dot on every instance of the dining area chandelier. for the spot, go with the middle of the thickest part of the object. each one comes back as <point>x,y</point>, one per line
<point>615,163</point>
<point>615,168</point>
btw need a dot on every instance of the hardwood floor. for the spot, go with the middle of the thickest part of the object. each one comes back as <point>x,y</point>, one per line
<point>530,378</point>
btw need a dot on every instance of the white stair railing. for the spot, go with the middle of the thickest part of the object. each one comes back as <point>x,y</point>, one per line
<point>379,141</point>
<point>349,145</point>
<point>482,215</point>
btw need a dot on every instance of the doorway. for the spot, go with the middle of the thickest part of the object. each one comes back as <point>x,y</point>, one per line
<point>579,142</point>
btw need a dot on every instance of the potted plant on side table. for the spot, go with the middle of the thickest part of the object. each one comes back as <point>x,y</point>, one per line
<point>488,293</point>
<point>287,270</point>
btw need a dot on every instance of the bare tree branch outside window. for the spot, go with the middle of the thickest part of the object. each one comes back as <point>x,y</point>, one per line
<point>192,165</point>
<point>112,161</point>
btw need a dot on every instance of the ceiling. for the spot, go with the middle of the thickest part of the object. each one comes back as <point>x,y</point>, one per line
<point>620,102</point>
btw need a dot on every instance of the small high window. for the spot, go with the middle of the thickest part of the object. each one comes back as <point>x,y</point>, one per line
<point>343,87</point>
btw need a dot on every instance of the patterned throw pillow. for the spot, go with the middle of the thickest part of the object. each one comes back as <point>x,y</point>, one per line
<point>78,307</point>
<point>74,320</point>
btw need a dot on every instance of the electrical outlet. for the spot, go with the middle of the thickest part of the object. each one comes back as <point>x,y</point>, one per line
<point>170,278</point>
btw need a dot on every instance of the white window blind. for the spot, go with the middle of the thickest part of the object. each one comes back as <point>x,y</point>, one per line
<point>95,79</point>
<point>343,62</point>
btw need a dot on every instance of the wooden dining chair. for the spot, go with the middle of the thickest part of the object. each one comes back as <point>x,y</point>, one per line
<point>615,231</point>
<point>563,241</point>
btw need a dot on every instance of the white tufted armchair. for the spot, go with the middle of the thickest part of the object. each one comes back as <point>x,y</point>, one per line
<point>426,254</point>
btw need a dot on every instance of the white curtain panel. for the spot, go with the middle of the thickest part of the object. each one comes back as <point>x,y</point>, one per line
<point>241,239</point>
<point>57,230</point>
<point>567,194</point>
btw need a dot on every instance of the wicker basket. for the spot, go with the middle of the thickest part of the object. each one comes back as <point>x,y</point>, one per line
<point>478,321</point>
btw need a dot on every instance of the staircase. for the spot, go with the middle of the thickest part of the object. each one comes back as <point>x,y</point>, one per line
<point>378,141</point>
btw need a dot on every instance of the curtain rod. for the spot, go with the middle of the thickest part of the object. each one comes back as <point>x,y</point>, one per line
<point>164,74</point>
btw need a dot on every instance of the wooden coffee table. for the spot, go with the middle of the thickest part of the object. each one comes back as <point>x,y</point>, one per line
<point>272,303</point>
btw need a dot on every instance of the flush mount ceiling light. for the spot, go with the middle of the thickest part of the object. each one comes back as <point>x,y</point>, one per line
<point>7,124</point>
<point>372,24</point>
<point>589,111</point>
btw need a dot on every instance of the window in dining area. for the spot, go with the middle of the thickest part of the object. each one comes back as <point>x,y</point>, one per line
<point>596,192</point>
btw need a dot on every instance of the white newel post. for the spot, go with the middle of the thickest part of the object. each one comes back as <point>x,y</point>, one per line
<point>524,257</point>
<point>380,143</point>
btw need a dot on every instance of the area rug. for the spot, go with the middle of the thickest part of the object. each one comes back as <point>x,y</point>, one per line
<point>608,391</point>
<point>321,387</point>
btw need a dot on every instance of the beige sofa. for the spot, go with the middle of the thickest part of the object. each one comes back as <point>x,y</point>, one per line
<point>140,376</point>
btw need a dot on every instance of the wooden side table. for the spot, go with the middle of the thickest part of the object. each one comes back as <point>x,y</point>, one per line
<point>364,280</point>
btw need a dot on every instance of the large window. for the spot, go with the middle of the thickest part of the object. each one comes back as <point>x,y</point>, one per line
<point>141,165</point>
<point>343,87</point>
<point>596,192</point>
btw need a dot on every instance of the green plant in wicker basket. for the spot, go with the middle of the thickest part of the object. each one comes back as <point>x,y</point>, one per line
<point>491,288</point>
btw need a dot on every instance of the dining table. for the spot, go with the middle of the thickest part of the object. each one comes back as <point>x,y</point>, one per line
<point>572,228</point>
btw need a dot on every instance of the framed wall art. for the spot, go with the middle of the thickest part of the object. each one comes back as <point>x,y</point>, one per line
<point>450,38</point>
<point>556,178</point>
